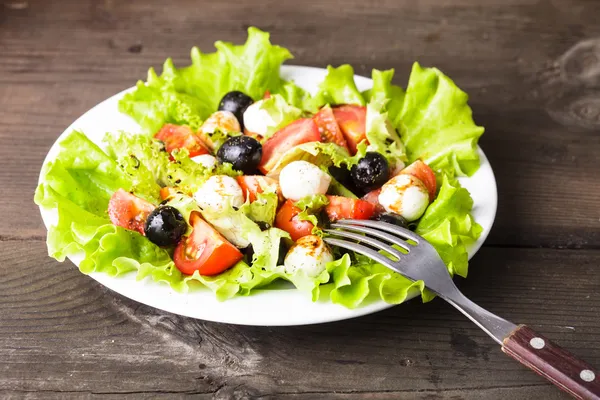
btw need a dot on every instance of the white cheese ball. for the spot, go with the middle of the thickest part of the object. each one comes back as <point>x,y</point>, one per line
<point>310,254</point>
<point>257,120</point>
<point>206,160</point>
<point>222,120</point>
<point>218,191</point>
<point>299,179</point>
<point>405,195</point>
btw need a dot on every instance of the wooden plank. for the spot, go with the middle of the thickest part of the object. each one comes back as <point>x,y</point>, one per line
<point>528,94</point>
<point>61,331</point>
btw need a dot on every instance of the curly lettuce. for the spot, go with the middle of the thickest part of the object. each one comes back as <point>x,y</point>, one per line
<point>188,95</point>
<point>436,124</point>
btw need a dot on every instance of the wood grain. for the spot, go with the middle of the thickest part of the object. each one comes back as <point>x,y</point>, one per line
<point>533,76</point>
<point>61,331</point>
<point>552,362</point>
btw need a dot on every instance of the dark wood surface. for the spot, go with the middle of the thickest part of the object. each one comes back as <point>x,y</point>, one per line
<point>532,70</point>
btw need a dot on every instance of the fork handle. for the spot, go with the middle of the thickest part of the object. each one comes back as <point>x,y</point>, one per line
<point>560,367</point>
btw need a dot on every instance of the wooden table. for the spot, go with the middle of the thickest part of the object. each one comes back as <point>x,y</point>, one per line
<point>532,69</point>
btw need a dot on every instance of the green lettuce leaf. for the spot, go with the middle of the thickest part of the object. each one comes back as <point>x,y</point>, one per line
<point>448,225</point>
<point>338,87</point>
<point>310,205</point>
<point>263,209</point>
<point>363,280</point>
<point>384,90</point>
<point>188,95</point>
<point>144,160</point>
<point>436,124</point>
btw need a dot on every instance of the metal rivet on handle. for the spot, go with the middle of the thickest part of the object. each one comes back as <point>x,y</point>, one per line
<point>587,375</point>
<point>537,343</point>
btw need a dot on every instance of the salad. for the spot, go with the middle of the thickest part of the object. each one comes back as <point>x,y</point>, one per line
<point>236,173</point>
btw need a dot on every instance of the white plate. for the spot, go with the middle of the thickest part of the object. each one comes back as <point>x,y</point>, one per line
<point>275,307</point>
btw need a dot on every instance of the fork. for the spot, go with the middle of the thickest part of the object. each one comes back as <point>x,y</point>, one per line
<point>420,261</point>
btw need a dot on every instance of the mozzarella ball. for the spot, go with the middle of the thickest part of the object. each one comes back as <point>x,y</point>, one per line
<point>222,120</point>
<point>310,254</point>
<point>406,196</point>
<point>257,120</point>
<point>218,191</point>
<point>206,160</point>
<point>299,179</point>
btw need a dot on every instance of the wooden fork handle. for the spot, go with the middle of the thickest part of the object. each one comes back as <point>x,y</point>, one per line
<point>560,367</point>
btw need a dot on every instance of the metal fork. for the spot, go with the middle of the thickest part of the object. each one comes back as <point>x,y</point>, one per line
<point>420,261</point>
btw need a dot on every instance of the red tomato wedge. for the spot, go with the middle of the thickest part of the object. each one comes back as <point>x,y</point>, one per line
<point>422,171</point>
<point>179,137</point>
<point>298,132</point>
<point>287,219</point>
<point>252,185</point>
<point>128,211</point>
<point>373,198</point>
<point>352,121</point>
<point>328,127</point>
<point>205,250</point>
<point>346,208</point>
<point>267,94</point>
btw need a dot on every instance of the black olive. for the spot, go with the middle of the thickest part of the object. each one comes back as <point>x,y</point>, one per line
<point>244,152</point>
<point>165,226</point>
<point>236,103</point>
<point>371,172</point>
<point>282,253</point>
<point>263,225</point>
<point>248,254</point>
<point>394,219</point>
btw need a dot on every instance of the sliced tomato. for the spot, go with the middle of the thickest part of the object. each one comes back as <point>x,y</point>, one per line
<point>328,127</point>
<point>352,121</point>
<point>422,171</point>
<point>298,132</point>
<point>267,94</point>
<point>205,250</point>
<point>287,219</point>
<point>340,207</point>
<point>179,137</point>
<point>373,198</point>
<point>128,211</point>
<point>252,185</point>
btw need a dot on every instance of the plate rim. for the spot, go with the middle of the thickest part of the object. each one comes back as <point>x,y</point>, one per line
<point>107,281</point>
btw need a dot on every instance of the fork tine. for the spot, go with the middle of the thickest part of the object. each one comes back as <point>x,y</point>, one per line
<point>364,251</point>
<point>374,232</point>
<point>366,239</point>
<point>384,226</point>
